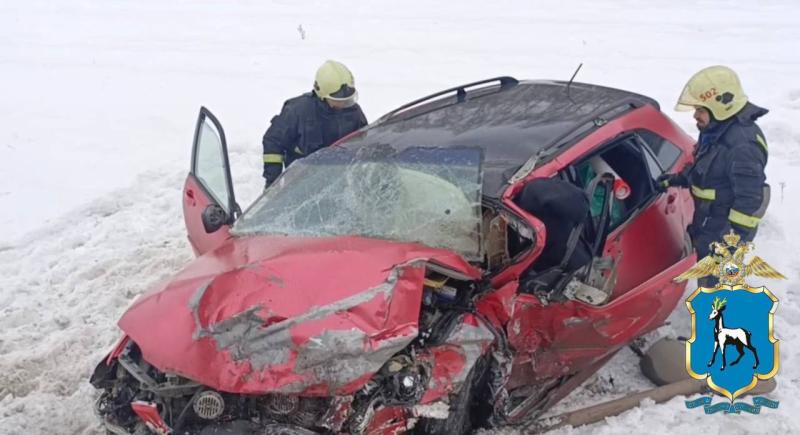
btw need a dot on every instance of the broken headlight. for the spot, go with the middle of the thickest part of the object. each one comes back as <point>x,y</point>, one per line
<point>404,380</point>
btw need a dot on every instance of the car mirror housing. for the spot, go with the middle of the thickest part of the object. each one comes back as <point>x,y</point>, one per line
<point>214,217</point>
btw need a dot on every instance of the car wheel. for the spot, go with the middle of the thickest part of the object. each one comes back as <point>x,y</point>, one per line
<point>460,418</point>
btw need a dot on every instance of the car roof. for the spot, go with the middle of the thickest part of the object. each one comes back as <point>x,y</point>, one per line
<point>511,121</point>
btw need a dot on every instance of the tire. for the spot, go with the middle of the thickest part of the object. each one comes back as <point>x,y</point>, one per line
<point>460,419</point>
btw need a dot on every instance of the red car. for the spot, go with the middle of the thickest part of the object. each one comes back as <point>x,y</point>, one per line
<point>397,280</point>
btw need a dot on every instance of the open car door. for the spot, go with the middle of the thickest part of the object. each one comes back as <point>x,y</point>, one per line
<point>209,206</point>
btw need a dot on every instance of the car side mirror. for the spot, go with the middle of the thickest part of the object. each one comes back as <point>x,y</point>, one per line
<point>214,217</point>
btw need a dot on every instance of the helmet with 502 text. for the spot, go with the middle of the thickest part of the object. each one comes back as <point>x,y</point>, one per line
<point>717,88</point>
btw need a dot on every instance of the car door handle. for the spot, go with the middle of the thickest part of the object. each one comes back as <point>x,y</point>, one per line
<point>670,208</point>
<point>190,197</point>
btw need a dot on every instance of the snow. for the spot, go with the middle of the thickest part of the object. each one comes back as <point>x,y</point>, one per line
<point>98,107</point>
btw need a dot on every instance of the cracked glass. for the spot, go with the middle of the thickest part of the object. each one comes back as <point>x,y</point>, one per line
<point>426,195</point>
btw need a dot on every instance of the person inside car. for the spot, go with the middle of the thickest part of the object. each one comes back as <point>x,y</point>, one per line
<point>313,120</point>
<point>727,178</point>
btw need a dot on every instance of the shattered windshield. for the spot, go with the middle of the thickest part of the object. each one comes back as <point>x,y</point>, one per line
<point>425,195</point>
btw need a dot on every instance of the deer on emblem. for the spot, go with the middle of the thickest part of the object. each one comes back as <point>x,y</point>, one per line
<point>723,336</point>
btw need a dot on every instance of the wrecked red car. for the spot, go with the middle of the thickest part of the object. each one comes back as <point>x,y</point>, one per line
<point>417,275</point>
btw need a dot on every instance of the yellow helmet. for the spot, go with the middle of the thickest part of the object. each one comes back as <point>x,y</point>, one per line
<point>335,82</point>
<point>717,88</point>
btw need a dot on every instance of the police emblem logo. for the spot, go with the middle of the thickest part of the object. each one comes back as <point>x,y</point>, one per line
<point>732,345</point>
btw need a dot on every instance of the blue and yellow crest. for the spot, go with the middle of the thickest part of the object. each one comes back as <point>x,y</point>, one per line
<point>732,345</point>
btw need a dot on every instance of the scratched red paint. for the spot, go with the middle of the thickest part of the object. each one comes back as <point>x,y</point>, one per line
<point>276,278</point>
<point>447,361</point>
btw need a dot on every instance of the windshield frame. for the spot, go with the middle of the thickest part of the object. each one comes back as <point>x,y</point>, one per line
<point>462,164</point>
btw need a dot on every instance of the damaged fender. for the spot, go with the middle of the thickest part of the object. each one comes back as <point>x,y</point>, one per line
<point>271,326</point>
<point>451,362</point>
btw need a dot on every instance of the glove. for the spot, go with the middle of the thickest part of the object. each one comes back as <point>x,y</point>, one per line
<point>271,172</point>
<point>665,181</point>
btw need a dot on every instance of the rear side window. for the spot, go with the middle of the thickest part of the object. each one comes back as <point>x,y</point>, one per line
<point>664,151</point>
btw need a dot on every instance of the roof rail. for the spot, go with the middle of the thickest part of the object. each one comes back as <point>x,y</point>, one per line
<point>461,93</point>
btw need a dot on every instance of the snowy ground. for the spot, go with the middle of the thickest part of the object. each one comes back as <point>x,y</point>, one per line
<point>99,102</point>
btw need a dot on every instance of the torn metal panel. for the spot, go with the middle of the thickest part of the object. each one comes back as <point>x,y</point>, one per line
<point>117,349</point>
<point>388,420</point>
<point>525,327</point>
<point>243,337</point>
<point>194,305</point>
<point>474,338</point>
<point>498,305</point>
<point>451,362</point>
<point>337,358</point>
<point>338,412</point>
<point>248,337</point>
<point>447,362</point>
<point>269,328</point>
<point>498,375</point>
<point>320,312</point>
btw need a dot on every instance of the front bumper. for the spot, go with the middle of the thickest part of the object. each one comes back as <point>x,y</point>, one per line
<point>235,427</point>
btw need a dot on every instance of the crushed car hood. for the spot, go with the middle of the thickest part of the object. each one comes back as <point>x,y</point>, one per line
<point>282,314</point>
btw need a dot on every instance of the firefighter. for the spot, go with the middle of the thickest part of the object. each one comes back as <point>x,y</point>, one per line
<point>727,177</point>
<point>313,120</point>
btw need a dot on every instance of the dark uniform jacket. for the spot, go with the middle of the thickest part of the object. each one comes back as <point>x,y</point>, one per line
<point>727,179</point>
<point>305,125</point>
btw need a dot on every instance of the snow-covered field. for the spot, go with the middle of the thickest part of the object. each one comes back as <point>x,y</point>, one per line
<point>98,101</point>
